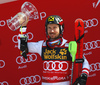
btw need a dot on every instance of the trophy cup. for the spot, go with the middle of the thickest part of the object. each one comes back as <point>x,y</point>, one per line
<point>28,12</point>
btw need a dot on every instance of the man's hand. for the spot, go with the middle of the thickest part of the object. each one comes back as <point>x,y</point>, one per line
<point>25,23</point>
<point>23,47</point>
<point>23,20</point>
<point>81,80</point>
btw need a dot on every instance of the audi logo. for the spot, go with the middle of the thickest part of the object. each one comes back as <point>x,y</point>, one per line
<point>30,80</point>
<point>91,45</point>
<point>95,67</point>
<point>31,58</point>
<point>15,37</point>
<point>4,83</point>
<point>91,23</point>
<point>2,63</point>
<point>55,65</point>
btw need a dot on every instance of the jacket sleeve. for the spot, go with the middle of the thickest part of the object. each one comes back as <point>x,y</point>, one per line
<point>85,68</point>
<point>35,47</point>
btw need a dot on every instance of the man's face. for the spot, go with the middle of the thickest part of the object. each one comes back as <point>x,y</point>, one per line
<point>53,31</point>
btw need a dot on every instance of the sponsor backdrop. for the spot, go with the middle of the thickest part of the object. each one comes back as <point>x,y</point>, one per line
<point>14,69</point>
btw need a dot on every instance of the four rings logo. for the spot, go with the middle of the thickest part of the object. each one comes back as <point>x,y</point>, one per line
<point>55,65</point>
<point>91,45</point>
<point>4,83</point>
<point>31,58</point>
<point>30,80</point>
<point>95,67</point>
<point>2,63</point>
<point>15,37</point>
<point>91,23</point>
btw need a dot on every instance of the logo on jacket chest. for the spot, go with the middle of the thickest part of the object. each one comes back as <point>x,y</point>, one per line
<point>55,54</point>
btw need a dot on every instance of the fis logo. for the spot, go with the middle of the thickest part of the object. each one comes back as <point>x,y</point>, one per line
<point>96,4</point>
